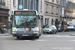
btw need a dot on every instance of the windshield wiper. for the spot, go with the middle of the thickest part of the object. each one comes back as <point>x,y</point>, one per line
<point>33,26</point>
<point>17,26</point>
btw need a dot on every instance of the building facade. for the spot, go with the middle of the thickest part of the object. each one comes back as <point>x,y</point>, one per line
<point>51,12</point>
<point>67,13</point>
<point>4,13</point>
<point>8,4</point>
<point>74,10</point>
<point>73,1</point>
<point>27,4</point>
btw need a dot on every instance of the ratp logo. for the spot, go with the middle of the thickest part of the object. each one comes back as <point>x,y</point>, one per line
<point>20,7</point>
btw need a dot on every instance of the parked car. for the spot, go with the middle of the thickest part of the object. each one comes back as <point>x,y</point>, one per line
<point>70,27</point>
<point>50,29</point>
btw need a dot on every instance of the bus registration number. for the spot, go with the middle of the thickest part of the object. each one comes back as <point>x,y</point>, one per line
<point>24,35</point>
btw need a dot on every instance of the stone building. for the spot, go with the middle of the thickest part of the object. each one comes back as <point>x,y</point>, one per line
<point>4,13</point>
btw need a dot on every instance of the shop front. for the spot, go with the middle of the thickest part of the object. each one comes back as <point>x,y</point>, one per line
<point>4,14</point>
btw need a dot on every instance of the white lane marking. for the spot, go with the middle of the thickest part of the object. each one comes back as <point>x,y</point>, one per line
<point>5,36</point>
<point>28,40</point>
<point>35,40</point>
<point>63,48</point>
<point>71,40</point>
<point>57,36</point>
<point>41,40</point>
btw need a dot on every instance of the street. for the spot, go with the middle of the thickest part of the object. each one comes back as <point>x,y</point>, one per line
<point>33,17</point>
<point>59,41</point>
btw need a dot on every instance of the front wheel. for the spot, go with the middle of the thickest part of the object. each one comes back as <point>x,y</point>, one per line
<point>39,34</point>
<point>44,33</point>
<point>37,37</point>
<point>54,32</point>
<point>65,30</point>
<point>18,37</point>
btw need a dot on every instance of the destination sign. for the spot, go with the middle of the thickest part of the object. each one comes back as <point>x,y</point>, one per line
<point>25,13</point>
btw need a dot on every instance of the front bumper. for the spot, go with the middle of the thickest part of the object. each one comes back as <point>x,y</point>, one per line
<point>48,31</point>
<point>26,34</point>
<point>70,29</point>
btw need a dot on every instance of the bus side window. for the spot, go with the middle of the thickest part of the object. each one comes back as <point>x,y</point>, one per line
<point>9,25</point>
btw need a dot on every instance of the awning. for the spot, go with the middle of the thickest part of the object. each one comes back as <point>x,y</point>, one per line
<point>5,15</point>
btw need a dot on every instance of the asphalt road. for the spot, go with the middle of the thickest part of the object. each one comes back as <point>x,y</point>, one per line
<point>59,41</point>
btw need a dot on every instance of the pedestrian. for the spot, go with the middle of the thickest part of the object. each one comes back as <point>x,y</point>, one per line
<point>4,29</point>
<point>1,27</point>
<point>43,26</point>
<point>46,25</point>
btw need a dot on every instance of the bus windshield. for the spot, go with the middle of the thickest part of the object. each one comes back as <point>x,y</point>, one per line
<point>24,21</point>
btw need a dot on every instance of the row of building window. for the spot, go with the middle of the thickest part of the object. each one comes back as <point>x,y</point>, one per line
<point>2,0</point>
<point>53,1</point>
<point>29,4</point>
<point>51,9</point>
<point>34,5</point>
<point>53,21</point>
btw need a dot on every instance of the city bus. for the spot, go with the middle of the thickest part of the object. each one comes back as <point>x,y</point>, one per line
<point>26,23</point>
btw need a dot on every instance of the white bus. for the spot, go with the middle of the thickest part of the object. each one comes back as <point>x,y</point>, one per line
<point>26,23</point>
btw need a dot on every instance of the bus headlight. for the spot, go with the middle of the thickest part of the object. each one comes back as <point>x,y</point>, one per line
<point>13,32</point>
<point>35,29</point>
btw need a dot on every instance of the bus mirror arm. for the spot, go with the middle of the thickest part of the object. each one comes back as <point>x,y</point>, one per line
<point>10,18</point>
<point>38,17</point>
<point>9,25</point>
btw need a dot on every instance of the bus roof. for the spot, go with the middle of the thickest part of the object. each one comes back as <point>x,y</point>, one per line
<point>25,10</point>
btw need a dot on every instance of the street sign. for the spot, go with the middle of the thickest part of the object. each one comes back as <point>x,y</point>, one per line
<point>20,7</point>
<point>63,12</point>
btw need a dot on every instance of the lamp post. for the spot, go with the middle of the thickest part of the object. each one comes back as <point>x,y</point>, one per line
<point>63,4</point>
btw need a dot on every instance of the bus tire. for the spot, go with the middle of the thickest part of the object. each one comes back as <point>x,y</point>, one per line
<point>37,37</point>
<point>39,34</point>
<point>18,37</point>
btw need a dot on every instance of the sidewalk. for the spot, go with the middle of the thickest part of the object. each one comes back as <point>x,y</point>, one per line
<point>72,34</point>
<point>7,34</point>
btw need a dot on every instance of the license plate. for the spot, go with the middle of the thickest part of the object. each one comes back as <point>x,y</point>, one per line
<point>24,35</point>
